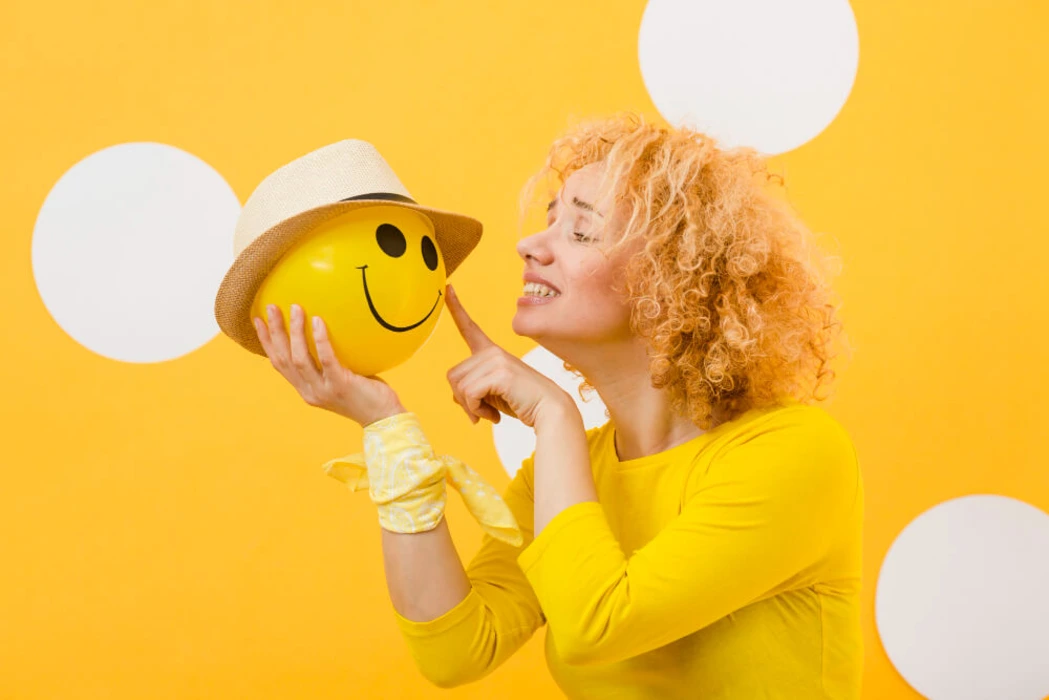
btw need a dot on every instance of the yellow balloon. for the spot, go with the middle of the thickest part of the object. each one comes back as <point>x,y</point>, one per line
<point>374,275</point>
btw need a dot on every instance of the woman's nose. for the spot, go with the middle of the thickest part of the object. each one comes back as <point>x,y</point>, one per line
<point>534,247</point>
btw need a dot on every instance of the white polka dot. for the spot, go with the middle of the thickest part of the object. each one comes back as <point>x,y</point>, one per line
<point>962,604</point>
<point>129,249</point>
<point>762,73</point>
<point>515,441</point>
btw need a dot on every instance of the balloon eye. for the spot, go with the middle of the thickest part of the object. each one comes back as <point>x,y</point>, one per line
<point>391,240</point>
<point>429,253</point>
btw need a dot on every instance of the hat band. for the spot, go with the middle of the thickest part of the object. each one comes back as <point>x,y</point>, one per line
<point>382,195</point>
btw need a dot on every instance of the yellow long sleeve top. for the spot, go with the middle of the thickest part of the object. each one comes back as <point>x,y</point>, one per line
<point>724,567</point>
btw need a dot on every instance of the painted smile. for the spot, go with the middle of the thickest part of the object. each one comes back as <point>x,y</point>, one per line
<point>380,319</point>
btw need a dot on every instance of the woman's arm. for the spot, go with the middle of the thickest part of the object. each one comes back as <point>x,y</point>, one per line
<point>461,625</point>
<point>563,476</point>
<point>765,511</point>
<point>424,573</point>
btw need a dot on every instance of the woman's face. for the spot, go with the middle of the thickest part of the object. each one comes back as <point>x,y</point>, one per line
<point>568,255</point>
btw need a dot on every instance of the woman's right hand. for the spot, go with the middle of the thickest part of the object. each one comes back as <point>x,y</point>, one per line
<point>330,386</point>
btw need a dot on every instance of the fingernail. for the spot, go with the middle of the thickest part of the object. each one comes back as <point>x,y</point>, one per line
<point>316,323</point>
<point>296,310</point>
<point>271,309</point>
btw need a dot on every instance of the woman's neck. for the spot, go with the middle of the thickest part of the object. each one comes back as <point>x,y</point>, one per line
<point>642,415</point>
<point>645,426</point>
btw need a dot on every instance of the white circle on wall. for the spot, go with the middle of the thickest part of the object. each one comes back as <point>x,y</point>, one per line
<point>129,249</point>
<point>962,603</point>
<point>515,441</point>
<point>762,73</point>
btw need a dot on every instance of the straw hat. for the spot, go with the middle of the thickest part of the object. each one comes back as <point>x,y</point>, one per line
<point>298,197</point>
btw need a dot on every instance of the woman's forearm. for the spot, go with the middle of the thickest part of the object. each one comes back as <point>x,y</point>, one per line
<point>562,464</point>
<point>423,572</point>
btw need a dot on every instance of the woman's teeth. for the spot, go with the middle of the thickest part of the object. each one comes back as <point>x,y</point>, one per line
<point>534,289</point>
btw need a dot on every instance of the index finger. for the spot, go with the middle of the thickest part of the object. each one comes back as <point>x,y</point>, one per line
<point>475,338</point>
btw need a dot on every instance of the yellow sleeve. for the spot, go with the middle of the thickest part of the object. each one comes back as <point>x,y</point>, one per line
<point>498,615</point>
<point>765,510</point>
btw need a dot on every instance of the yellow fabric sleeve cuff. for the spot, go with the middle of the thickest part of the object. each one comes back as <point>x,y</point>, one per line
<point>443,622</point>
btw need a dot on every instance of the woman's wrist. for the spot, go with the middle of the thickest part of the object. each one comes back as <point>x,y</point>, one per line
<point>557,412</point>
<point>406,480</point>
<point>393,410</point>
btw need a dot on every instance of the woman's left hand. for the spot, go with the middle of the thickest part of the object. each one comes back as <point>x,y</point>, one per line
<point>492,380</point>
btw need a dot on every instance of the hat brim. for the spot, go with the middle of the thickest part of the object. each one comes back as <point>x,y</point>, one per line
<point>456,235</point>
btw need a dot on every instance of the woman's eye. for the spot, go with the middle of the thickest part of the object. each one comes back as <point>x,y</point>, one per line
<point>582,237</point>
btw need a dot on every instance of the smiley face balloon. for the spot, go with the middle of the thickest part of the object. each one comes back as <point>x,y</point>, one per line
<point>374,275</point>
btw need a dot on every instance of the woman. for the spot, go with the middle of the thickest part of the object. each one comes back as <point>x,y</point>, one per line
<point>705,542</point>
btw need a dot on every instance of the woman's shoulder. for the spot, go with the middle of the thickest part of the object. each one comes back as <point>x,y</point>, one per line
<point>799,440</point>
<point>791,422</point>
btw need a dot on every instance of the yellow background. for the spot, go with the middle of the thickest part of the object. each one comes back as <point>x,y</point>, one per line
<point>167,529</point>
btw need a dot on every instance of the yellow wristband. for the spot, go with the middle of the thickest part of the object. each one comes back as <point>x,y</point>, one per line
<point>406,480</point>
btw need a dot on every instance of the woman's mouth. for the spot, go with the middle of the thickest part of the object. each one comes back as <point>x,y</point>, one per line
<point>536,294</point>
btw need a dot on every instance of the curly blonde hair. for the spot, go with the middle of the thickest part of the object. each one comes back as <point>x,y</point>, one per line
<point>728,289</point>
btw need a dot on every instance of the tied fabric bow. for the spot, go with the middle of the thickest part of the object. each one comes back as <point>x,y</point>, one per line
<point>406,480</point>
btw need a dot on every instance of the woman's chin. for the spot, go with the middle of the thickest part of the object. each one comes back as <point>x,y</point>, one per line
<point>522,327</point>
<point>517,326</point>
